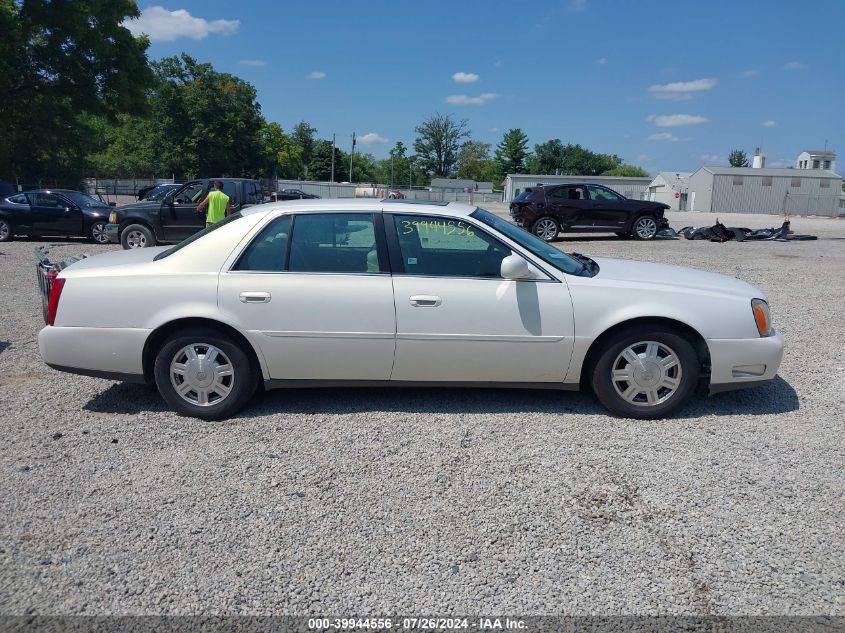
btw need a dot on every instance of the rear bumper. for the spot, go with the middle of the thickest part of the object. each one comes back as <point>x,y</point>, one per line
<point>115,353</point>
<point>742,363</point>
<point>112,231</point>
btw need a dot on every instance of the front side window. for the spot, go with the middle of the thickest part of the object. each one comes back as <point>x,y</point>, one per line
<point>600,193</point>
<point>334,243</point>
<point>268,251</point>
<point>446,247</point>
<point>18,199</point>
<point>190,193</point>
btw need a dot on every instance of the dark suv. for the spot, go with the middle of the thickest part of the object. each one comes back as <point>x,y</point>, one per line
<point>548,210</point>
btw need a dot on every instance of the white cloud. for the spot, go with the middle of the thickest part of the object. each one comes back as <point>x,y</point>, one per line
<point>316,74</point>
<point>252,62</point>
<point>601,61</point>
<point>161,25</point>
<point>465,78</point>
<point>372,137</point>
<point>468,100</point>
<point>674,120</point>
<point>680,90</point>
<point>751,73</point>
<point>494,129</point>
<point>665,136</point>
<point>769,123</point>
<point>794,66</point>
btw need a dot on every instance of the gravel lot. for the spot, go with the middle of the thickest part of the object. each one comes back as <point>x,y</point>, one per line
<point>436,501</point>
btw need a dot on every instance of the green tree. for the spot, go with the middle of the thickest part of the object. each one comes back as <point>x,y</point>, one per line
<point>62,63</point>
<point>474,162</point>
<point>320,166</point>
<point>512,152</point>
<point>303,135</point>
<point>438,141</point>
<point>554,157</point>
<point>738,158</point>
<point>396,168</point>
<point>626,170</point>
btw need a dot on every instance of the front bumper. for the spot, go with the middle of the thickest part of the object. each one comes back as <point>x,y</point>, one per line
<point>742,363</point>
<point>112,231</point>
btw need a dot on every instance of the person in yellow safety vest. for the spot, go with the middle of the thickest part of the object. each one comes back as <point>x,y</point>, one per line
<point>219,205</point>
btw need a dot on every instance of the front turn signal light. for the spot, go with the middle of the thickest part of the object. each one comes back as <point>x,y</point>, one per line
<point>113,217</point>
<point>762,316</point>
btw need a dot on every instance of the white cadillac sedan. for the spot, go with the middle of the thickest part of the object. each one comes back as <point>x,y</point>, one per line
<point>372,293</point>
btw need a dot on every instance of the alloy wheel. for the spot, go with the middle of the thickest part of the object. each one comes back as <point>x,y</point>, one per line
<point>5,231</point>
<point>202,374</point>
<point>646,373</point>
<point>136,239</point>
<point>98,232</point>
<point>645,228</point>
<point>545,229</point>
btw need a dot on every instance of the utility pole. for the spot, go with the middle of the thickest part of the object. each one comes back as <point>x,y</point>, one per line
<point>351,154</point>
<point>391,170</point>
<point>333,143</point>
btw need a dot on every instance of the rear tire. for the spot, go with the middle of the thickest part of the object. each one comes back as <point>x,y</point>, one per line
<point>645,373</point>
<point>97,233</point>
<point>137,236</point>
<point>546,228</point>
<point>644,227</point>
<point>203,373</point>
<point>6,232</point>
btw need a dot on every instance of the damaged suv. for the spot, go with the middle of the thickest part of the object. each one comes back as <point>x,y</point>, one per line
<point>549,210</point>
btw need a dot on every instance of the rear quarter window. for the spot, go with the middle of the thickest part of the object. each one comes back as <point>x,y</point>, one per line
<point>523,195</point>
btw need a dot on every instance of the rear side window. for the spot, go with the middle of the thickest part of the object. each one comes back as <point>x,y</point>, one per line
<point>334,243</point>
<point>522,196</point>
<point>268,251</point>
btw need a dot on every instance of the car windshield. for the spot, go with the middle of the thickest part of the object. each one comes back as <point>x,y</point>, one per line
<point>83,200</point>
<point>159,192</point>
<point>535,245</point>
<point>198,235</point>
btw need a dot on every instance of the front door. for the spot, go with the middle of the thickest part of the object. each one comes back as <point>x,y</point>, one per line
<point>610,210</point>
<point>53,215</point>
<point>179,217</point>
<point>457,320</point>
<point>315,293</point>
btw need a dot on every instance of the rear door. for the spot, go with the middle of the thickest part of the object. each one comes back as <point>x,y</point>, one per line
<point>314,292</point>
<point>570,206</point>
<point>179,217</point>
<point>610,210</point>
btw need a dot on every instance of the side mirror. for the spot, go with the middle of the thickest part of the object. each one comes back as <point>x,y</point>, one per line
<point>112,204</point>
<point>514,267</point>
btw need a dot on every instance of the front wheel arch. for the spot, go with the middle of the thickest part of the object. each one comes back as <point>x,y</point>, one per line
<point>688,332</point>
<point>156,339</point>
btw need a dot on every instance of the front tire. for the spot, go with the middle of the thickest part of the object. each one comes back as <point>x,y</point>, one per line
<point>644,228</point>
<point>6,232</point>
<point>645,373</point>
<point>137,236</point>
<point>97,233</point>
<point>546,228</point>
<point>203,373</point>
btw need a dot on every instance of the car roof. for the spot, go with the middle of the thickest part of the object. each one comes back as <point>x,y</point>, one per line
<point>363,205</point>
<point>52,191</point>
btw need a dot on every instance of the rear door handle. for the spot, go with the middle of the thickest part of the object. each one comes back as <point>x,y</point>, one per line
<point>255,297</point>
<point>425,301</point>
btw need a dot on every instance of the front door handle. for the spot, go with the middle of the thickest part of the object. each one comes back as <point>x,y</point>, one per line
<point>425,301</point>
<point>255,297</point>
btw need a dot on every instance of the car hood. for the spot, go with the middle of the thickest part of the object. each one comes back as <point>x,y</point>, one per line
<point>144,204</point>
<point>115,258</point>
<point>663,275</point>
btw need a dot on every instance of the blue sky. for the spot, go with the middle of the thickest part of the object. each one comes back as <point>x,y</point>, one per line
<point>666,84</point>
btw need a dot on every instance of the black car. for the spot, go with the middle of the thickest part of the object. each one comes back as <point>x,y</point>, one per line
<point>174,217</point>
<point>549,210</point>
<point>53,212</point>
<point>294,194</point>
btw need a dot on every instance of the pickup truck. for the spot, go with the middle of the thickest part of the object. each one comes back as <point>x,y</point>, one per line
<point>175,216</point>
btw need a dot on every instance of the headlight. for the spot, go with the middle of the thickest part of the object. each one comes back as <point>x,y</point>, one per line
<point>113,217</point>
<point>762,317</point>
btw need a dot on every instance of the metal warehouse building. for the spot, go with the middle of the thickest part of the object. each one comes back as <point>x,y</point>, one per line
<point>750,190</point>
<point>636,188</point>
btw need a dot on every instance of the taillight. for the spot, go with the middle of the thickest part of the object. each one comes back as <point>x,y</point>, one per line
<point>55,295</point>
